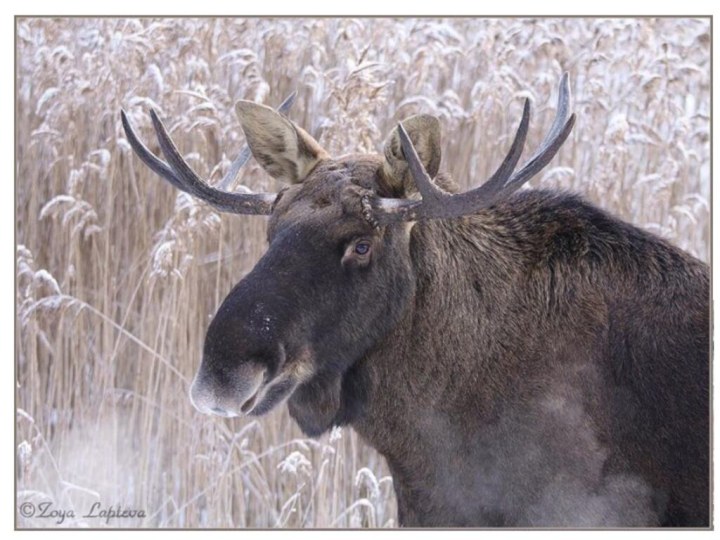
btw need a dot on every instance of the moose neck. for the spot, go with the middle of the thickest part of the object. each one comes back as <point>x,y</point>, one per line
<point>417,376</point>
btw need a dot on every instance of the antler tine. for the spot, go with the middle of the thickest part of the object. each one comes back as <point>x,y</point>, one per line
<point>181,176</point>
<point>563,107</point>
<point>431,194</point>
<point>437,203</point>
<point>146,156</point>
<point>238,203</point>
<point>558,132</point>
<point>503,172</point>
<point>234,169</point>
<point>540,159</point>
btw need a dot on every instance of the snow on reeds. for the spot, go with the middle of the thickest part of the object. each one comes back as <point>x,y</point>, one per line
<point>118,274</point>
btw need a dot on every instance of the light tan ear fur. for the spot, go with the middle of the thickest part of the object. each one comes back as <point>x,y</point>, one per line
<point>287,152</point>
<point>424,132</point>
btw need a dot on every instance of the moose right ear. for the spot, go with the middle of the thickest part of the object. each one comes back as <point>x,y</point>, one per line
<point>424,132</point>
<point>287,152</point>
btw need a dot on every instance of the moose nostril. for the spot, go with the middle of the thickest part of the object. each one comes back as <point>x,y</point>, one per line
<point>261,380</point>
<point>248,405</point>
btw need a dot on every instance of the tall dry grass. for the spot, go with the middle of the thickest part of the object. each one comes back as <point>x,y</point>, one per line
<point>118,275</point>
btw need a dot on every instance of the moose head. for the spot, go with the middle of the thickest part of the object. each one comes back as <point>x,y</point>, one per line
<point>337,275</point>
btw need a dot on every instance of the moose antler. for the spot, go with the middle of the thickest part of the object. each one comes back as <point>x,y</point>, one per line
<point>437,203</point>
<point>180,174</point>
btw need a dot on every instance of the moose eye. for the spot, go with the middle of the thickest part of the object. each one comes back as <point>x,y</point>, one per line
<point>362,247</point>
<point>358,253</point>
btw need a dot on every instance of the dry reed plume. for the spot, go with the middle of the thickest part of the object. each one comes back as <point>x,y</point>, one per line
<point>118,274</point>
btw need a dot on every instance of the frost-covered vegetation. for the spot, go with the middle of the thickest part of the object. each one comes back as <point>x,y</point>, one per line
<point>118,274</point>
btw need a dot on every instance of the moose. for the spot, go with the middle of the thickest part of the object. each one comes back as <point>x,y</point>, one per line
<point>520,358</point>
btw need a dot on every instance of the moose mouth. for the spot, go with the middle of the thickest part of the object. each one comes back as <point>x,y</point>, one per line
<point>248,390</point>
<point>265,399</point>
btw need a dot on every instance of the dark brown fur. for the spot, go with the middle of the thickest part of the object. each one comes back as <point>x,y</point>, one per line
<point>545,298</point>
<point>540,363</point>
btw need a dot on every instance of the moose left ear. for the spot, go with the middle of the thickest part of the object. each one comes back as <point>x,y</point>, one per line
<point>424,132</point>
<point>287,152</point>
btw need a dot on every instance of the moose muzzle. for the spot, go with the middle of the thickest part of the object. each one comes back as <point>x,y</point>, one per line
<point>228,393</point>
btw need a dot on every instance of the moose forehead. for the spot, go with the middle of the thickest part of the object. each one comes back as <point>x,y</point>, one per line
<point>331,196</point>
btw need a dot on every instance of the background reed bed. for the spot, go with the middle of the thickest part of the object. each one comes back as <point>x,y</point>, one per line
<point>118,274</point>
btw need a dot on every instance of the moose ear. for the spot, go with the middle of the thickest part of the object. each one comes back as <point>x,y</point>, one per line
<point>424,132</point>
<point>287,152</point>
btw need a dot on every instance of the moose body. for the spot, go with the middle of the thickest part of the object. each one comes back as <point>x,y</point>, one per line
<point>551,369</point>
<point>519,359</point>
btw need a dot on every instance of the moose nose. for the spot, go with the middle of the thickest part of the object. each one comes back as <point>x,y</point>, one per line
<point>227,396</point>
